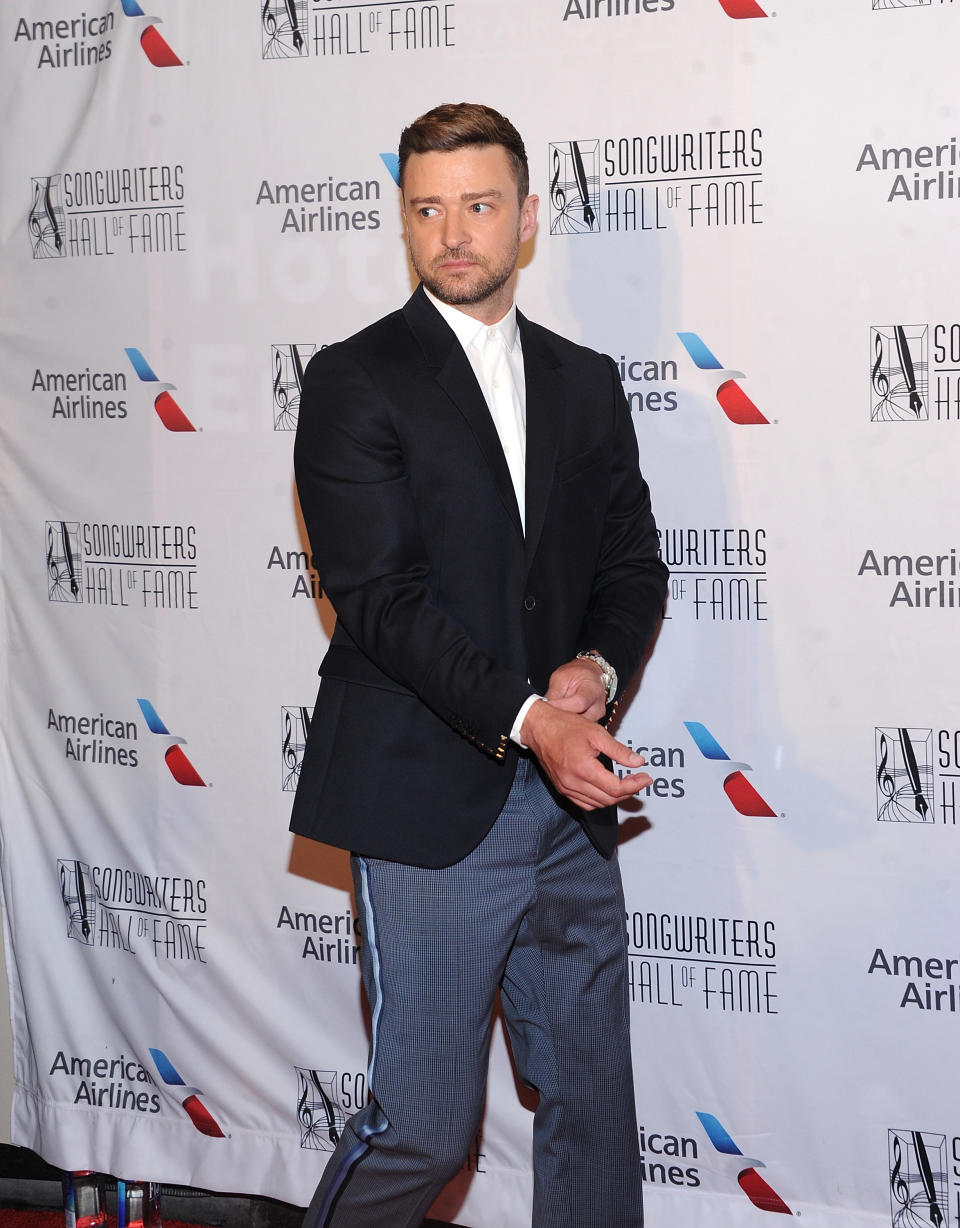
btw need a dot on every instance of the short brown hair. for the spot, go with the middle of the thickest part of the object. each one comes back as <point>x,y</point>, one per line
<point>455,125</point>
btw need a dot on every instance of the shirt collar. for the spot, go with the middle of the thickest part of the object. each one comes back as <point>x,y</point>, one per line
<point>469,330</point>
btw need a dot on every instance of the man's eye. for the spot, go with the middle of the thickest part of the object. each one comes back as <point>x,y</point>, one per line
<point>427,211</point>
<point>479,206</point>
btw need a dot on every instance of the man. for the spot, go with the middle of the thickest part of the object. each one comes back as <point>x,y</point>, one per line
<point>471,489</point>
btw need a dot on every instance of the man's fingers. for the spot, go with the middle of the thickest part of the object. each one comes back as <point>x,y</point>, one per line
<point>619,752</point>
<point>568,747</point>
<point>579,703</point>
<point>591,785</point>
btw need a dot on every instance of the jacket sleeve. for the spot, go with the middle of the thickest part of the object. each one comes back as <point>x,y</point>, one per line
<point>630,582</point>
<point>369,550</point>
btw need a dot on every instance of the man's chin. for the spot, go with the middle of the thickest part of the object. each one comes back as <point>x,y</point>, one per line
<point>459,290</point>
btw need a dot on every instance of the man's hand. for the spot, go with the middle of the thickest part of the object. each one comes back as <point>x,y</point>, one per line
<point>578,686</point>
<point>567,745</point>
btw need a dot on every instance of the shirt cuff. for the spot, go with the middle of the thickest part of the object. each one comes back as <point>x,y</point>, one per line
<point>518,723</point>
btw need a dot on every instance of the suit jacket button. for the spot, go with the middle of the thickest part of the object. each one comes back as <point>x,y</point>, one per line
<point>529,603</point>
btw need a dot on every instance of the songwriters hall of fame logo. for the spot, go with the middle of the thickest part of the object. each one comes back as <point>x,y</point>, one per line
<point>121,908</point>
<point>151,566</point>
<point>704,179</point>
<point>899,373</point>
<point>288,364</point>
<point>289,31</point>
<point>135,210</point>
<point>319,1110</point>
<point>904,775</point>
<point>918,1178</point>
<point>295,727</point>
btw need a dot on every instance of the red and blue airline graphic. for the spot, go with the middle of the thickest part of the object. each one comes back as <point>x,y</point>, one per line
<point>742,8</point>
<point>746,800</point>
<point>181,769</point>
<point>190,1100</point>
<point>168,411</point>
<point>749,1180</point>
<point>155,47</point>
<point>732,399</point>
<point>392,162</point>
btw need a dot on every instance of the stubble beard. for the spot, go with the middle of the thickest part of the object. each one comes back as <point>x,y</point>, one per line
<point>456,291</point>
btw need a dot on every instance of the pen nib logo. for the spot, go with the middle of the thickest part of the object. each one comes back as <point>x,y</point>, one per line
<point>575,187</point>
<point>918,1186</point>
<point>904,775</point>
<point>319,1111</point>
<point>899,373</point>
<point>46,220</point>
<point>282,23</point>
<point>79,900</point>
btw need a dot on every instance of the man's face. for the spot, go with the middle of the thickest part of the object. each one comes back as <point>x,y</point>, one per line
<point>465,226</point>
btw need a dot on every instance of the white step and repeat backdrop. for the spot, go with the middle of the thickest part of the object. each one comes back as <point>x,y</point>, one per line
<point>753,207</point>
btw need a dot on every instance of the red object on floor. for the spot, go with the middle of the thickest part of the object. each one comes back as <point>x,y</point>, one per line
<point>54,1219</point>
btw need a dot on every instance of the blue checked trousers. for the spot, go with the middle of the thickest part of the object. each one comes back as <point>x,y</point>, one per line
<point>535,911</point>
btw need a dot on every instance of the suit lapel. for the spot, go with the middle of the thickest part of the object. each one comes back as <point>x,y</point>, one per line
<point>455,376</point>
<point>544,395</point>
<point>544,410</point>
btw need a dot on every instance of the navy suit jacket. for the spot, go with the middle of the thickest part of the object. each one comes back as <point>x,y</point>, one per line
<point>448,615</point>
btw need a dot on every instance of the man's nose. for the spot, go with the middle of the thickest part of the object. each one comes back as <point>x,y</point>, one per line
<point>454,232</point>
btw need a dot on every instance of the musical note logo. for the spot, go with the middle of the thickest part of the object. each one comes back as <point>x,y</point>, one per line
<point>64,561</point>
<point>574,187</point>
<point>296,727</point>
<point>319,1111</point>
<point>46,220</point>
<point>760,1193</point>
<point>79,900</point>
<point>289,363</point>
<point>282,24</point>
<point>918,1177</point>
<point>731,398</point>
<point>744,797</point>
<point>899,373</point>
<point>904,775</point>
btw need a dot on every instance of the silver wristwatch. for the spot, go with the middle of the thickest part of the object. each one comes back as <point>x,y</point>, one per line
<point>608,672</point>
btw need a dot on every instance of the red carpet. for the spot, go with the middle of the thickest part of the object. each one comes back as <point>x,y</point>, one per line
<point>54,1219</point>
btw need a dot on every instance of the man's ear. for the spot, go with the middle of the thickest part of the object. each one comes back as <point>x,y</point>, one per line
<point>528,218</point>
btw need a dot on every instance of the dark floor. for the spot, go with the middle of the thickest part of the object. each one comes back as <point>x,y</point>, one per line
<point>27,1181</point>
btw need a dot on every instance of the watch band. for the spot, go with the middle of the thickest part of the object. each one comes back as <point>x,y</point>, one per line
<point>606,669</point>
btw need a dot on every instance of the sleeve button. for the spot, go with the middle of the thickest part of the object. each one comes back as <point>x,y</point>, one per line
<point>529,603</point>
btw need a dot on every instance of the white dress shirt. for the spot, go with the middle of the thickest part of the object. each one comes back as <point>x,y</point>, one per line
<point>496,356</point>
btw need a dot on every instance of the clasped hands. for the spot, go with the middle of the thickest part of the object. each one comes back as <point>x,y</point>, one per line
<point>564,735</point>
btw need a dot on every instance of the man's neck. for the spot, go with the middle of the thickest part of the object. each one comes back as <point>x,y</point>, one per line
<point>490,311</point>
